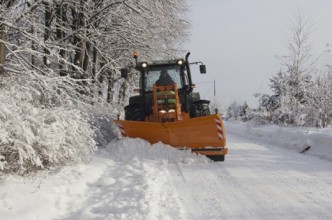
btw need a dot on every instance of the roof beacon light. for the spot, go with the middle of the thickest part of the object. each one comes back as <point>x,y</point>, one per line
<point>135,54</point>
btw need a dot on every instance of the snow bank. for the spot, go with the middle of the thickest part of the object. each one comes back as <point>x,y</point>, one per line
<point>34,137</point>
<point>126,180</point>
<point>127,149</point>
<point>106,130</point>
<point>293,138</point>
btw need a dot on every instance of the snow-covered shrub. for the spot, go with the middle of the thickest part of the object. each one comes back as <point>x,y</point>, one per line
<point>33,136</point>
<point>106,131</point>
<point>237,111</point>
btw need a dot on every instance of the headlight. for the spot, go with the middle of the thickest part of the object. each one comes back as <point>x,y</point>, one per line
<point>171,110</point>
<point>162,111</point>
<point>180,62</point>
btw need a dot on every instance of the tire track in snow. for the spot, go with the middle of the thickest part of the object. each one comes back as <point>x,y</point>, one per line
<point>247,193</point>
<point>198,195</point>
<point>283,177</point>
<point>162,196</point>
<point>255,182</point>
<point>243,199</point>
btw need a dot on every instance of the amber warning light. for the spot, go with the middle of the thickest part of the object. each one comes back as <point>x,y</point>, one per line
<point>135,54</point>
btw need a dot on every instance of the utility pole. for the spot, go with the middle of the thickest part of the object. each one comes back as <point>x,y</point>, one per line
<point>214,87</point>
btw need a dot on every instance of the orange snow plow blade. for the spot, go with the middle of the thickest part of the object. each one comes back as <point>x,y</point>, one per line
<point>204,135</point>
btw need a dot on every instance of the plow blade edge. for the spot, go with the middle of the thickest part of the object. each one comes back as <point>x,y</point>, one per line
<point>204,135</point>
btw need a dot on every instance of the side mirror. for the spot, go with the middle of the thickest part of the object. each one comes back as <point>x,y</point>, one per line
<point>124,73</point>
<point>202,69</point>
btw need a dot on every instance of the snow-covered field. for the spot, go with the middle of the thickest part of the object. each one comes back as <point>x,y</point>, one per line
<point>293,138</point>
<point>263,177</point>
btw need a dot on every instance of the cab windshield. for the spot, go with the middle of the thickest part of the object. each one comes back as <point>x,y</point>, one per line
<point>154,74</point>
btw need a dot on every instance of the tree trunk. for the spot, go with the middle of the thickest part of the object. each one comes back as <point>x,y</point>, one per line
<point>34,46</point>
<point>2,49</point>
<point>80,44</point>
<point>94,62</point>
<point>100,78</point>
<point>61,20</point>
<point>47,31</point>
<point>110,87</point>
<point>122,93</point>
<point>5,4</point>
<point>86,58</point>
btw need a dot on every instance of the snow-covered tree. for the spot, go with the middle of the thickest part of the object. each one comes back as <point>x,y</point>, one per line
<point>300,95</point>
<point>319,108</point>
<point>293,83</point>
<point>238,111</point>
<point>57,59</point>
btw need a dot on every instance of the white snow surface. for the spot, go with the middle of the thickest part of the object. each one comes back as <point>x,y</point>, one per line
<point>293,138</point>
<point>263,177</point>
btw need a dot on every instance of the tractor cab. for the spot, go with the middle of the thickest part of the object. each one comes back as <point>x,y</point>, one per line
<point>165,73</point>
<point>172,79</point>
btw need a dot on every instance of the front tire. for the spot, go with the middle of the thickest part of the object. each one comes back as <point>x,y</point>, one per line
<point>216,158</point>
<point>134,112</point>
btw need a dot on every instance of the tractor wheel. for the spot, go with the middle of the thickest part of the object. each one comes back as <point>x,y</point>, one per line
<point>134,112</point>
<point>195,96</point>
<point>217,158</point>
<point>134,100</point>
<point>200,108</point>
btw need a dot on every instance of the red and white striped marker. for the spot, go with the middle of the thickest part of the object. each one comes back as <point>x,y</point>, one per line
<point>122,130</point>
<point>218,123</point>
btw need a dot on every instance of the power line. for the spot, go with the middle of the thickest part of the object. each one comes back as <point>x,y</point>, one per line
<point>206,82</point>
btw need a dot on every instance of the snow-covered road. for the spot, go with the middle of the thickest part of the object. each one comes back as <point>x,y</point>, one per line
<point>134,180</point>
<point>255,182</point>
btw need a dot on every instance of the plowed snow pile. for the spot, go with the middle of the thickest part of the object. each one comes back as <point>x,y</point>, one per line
<point>122,182</point>
<point>127,149</point>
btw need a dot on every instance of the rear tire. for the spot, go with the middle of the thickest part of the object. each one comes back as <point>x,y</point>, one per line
<point>134,112</point>
<point>200,108</point>
<point>135,100</point>
<point>216,158</point>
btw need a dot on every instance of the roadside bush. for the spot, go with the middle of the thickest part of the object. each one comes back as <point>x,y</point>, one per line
<point>35,136</point>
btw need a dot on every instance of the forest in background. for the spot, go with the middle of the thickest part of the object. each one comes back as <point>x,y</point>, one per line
<point>60,64</point>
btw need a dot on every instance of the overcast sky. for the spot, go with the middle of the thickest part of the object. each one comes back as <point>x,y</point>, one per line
<point>238,41</point>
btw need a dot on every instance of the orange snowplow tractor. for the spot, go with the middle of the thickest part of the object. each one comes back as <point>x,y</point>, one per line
<point>204,135</point>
